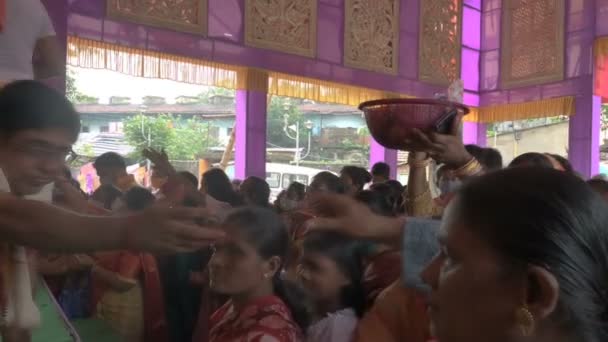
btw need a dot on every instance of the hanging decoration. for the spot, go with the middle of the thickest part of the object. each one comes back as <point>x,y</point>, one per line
<point>371,35</point>
<point>178,15</point>
<point>283,25</point>
<point>532,42</point>
<point>440,41</point>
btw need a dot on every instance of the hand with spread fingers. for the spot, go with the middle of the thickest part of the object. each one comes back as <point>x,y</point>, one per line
<point>444,148</point>
<point>346,215</point>
<point>160,159</point>
<point>167,230</point>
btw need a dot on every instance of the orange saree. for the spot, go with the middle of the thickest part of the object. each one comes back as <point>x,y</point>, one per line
<point>140,267</point>
<point>399,314</point>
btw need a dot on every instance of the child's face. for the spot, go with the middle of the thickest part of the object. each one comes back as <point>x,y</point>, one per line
<point>32,159</point>
<point>321,277</point>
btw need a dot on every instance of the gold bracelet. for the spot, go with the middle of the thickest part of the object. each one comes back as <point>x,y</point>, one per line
<point>420,196</point>
<point>469,169</point>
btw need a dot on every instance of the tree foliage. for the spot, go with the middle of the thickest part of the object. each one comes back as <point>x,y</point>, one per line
<point>182,139</point>
<point>278,108</point>
<point>72,92</point>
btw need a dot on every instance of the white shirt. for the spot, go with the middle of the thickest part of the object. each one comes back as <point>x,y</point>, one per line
<point>26,22</point>
<point>335,327</point>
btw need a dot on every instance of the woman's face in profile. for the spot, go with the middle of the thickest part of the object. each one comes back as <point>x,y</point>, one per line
<point>235,267</point>
<point>473,297</point>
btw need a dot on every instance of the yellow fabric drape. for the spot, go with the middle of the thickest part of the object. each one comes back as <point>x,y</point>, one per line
<point>93,54</point>
<point>88,53</point>
<point>322,91</point>
<point>528,110</point>
<point>252,79</point>
<point>473,115</point>
<point>600,48</point>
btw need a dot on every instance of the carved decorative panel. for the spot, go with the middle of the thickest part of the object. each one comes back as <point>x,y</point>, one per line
<point>440,41</point>
<point>532,42</point>
<point>179,15</point>
<point>284,25</point>
<point>371,35</point>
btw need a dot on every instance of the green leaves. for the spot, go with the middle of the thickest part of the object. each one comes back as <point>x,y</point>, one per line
<point>182,139</point>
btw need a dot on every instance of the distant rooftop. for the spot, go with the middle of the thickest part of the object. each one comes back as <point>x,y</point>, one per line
<point>208,110</point>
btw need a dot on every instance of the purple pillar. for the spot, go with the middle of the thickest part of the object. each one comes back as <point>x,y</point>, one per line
<point>250,146</point>
<point>474,133</point>
<point>584,135</point>
<point>379,153</point>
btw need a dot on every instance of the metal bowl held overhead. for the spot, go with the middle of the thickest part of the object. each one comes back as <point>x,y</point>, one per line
<point>390,121</point>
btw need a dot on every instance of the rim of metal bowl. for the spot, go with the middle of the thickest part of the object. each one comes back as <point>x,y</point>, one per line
<point>384,102</point>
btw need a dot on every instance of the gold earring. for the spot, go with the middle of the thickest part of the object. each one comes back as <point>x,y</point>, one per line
<point>525,321</point>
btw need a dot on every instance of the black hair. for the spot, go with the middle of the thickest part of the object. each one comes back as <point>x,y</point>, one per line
<point>106,194</point>
<point>377,201</point>
<point>28,105</point>
<point>532,159</point>
<point>489,158</point>
<point>190,177</point>
<point>346,253</point>
<point>265,230</point>
<point>550,219</point>
<point>137,199</point>
<point>599,185</point>
<point>217,185</point>
<point>298,189</point>
<point>110,159</point>
<point>474,150</point>
<point>381,169</point>
<point>565,163</point>
<point>391,194</point>
<point>330,181</point>
<point>255,191</point>
<point>358,175</point>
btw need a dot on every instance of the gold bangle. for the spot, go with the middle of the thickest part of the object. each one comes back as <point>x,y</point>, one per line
<point>414,199</point>
<point>471,168</point>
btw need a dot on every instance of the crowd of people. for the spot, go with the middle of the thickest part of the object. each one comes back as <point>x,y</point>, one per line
<point>520,253</point>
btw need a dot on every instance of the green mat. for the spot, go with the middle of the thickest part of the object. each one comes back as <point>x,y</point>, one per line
<point>94,330</point>
<point>55,329</point>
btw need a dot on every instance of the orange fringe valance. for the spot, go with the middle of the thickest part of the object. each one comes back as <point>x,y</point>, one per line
<point>86,53</point>
<point>559,106</point>
<point>323,91</point>
<point>93,54</point>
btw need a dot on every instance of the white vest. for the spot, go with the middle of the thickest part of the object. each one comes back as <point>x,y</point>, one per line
<point>21,311</point>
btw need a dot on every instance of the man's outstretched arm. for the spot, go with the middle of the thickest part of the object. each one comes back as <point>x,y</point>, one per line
<point>158,229</point>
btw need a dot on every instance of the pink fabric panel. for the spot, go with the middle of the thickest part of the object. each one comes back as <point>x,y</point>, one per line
<point>490,38</point>
<point>490,65</point>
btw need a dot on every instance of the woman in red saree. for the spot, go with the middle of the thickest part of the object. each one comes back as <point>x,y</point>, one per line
<point>127,291</point>
<point>247,267</point>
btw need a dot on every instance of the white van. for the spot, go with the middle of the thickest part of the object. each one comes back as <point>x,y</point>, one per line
<point>280,176</point>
